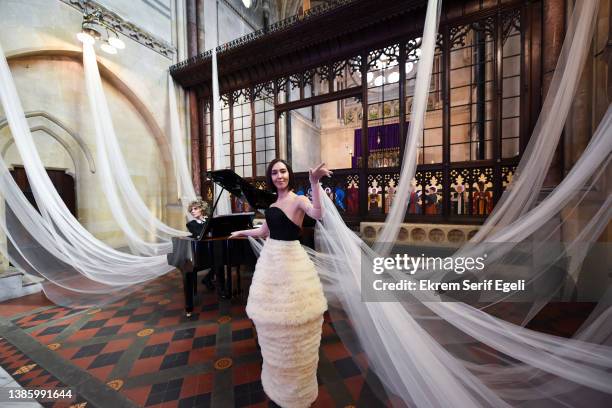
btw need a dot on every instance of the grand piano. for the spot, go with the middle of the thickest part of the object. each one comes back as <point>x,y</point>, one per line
<point>212,249</point>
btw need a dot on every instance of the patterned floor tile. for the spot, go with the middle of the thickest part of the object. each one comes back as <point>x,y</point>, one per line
<point>165,359</point>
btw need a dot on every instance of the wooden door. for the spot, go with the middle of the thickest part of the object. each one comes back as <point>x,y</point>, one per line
<point>64,184</point>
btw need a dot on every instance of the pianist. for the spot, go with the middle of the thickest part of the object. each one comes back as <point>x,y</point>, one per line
<point>199,211</point>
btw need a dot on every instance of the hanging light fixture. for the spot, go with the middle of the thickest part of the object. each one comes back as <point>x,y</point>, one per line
<point>116,42</point>
<point>90,30</point>
<point>94,28</point>
<point>108,48</point>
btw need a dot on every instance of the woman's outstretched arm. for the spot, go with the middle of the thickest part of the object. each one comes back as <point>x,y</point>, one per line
<point>260,232</point>
<point>315,209</point>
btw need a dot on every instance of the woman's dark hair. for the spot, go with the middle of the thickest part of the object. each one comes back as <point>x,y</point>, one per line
<point>271,186</point>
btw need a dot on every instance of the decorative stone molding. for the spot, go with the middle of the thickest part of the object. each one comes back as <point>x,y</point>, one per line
<point>52,119</point>
<point>446,235</point>
<point>124,27</point>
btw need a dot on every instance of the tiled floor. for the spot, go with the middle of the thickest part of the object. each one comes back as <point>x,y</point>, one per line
<point>7,383</point>
<point>142,351</point>
<point>146,349</point>
<point>27,374</point>
<point>24,304</point>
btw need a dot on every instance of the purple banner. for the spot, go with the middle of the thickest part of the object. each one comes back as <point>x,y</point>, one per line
<point>379,138</point>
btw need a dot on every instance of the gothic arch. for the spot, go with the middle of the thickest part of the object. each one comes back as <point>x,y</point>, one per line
<point>74,135</point>
<point>108,75</point>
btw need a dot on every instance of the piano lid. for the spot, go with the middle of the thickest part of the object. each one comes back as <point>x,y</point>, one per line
<point>236,185</point>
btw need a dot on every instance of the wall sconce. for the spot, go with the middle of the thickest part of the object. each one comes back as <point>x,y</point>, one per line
<point>93,28</point>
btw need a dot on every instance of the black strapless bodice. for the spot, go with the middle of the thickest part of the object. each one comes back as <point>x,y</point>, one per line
<point>280,226</point>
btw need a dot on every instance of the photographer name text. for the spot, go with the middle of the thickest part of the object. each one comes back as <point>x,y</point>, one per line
<point>497,285</point>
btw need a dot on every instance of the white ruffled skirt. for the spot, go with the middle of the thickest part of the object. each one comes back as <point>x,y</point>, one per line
<point>286,303</point>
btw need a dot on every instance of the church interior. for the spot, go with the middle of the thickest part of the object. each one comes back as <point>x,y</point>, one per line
<point>308,81</point>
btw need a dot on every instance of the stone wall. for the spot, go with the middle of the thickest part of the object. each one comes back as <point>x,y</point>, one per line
<point>39,41</point>
<point>226,20</point>
<point>337,139</point>
<point>305,143</point>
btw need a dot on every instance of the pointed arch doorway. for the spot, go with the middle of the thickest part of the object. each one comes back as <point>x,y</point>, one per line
<point>63,182</point>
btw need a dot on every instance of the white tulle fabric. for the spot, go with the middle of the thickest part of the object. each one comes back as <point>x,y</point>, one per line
<point>398,208</point>
<point>433,353</point>
<point>79,268</point>
<point>185,189</point>
<point>128,208</point>
<point>221,196</point>
<point>427,352</point>
<point>438,354</point>
<point>535,163</point>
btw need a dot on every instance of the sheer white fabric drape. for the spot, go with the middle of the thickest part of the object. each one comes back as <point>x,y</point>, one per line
<point>223,203</point>
<point>415,129</point>
<point>79,267</point>
<point>128,208</point>
<point>432,353</point>
<point>427,352</point>
<point>185,190</point>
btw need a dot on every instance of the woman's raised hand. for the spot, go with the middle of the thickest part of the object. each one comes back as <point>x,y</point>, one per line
<point>318,173</point>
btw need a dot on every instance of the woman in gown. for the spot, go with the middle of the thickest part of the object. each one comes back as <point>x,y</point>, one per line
<point>286,300</point>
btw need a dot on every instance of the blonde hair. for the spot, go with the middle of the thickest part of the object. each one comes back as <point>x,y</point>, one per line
<point>201,204</point>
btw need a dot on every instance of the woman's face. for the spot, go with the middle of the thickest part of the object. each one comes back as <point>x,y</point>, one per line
<point>280,176</point>
<point>196,212</point>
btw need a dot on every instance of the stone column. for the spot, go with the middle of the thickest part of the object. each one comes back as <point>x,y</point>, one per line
<point>593,94</point>
<point>578,128</point>
<point>602,75</point>
<point>602,84</point>
<point>553,34</point>
<point>192,27</point>
<point>592,99</point>
<point>200,25</point>
<point>194,122</point>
